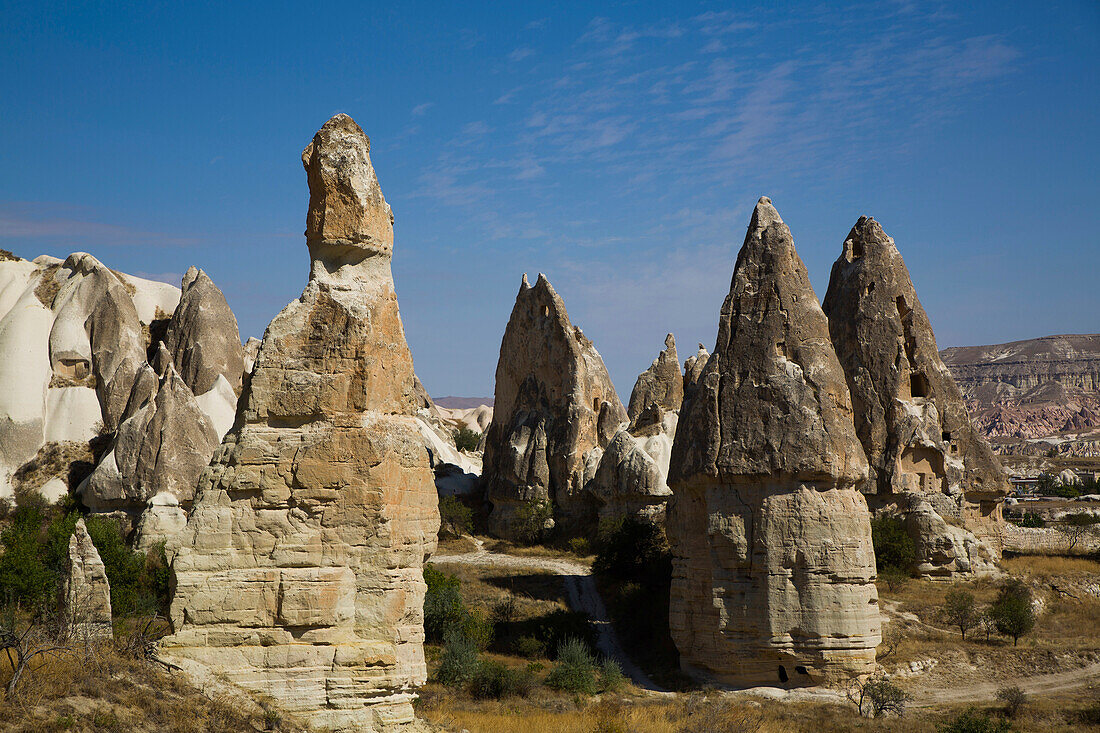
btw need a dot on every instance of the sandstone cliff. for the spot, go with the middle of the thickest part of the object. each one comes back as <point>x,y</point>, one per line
<point>773,568</point>
<point>927,461</point>
<point>555,410</point>
<point>298,575</point>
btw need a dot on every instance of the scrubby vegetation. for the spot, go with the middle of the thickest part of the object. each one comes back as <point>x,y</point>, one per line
<point>466,439</point>
<point>895,553</point>
<point>455,518</point>
<point>534,520</point>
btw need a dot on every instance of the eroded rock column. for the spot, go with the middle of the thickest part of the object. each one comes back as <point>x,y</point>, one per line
<point>773,566</point>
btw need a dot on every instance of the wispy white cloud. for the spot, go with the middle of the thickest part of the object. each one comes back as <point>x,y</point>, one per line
<point>520,54</point>
<point>421,109</point>
<point>77,227</point>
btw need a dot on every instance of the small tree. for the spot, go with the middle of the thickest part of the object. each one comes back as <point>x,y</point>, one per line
<point>960,610</point>
<point>878,697</point>
<point>893,546</point>
<point>1014,699</point>
<point>1012,612</point>
<point>455,518</point>
<point>1076,526</point>
<point>534,520</point>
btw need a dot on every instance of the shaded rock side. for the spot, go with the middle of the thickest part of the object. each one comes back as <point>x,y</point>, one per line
<point>660,387</point>
<point>163,447</point>
<point>203,338</point>
<point>909,414</point>
<point>554,405</point>
<point>773,567</point>
<point>299,573</point>
<point>86,592</point>
<point>631,477</point>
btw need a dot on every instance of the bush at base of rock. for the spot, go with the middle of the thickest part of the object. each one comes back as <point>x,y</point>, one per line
<point>575,670</point>
<point>466,439</point>
<point>445,613</point>
<point>493,681</point>
<point>632,549</point>
<point>893,546</point>
<point>534,520</point>
<point>455,518</point>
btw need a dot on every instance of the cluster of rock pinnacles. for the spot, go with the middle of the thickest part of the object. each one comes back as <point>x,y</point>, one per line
<point>297,548</point>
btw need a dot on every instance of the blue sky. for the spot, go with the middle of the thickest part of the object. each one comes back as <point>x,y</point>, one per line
<point>618,148</point>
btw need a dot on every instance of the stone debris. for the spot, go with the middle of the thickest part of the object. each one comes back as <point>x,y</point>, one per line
<point>298,575</point>
<point>773,567</point>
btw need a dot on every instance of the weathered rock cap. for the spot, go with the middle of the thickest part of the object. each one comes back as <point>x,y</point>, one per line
<point>772,398</point>
<point>348,218</point>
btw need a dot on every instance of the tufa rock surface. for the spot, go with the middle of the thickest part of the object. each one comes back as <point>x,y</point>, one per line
<point>909,414</point>
<point>773,567</point>
<point>298,575</point>
<point>86,592</point>
<point>554,411</point>
<point>202,336</point>
<point>658,388</point>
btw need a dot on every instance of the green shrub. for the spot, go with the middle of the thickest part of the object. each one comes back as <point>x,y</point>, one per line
<point>477,628</point>
<point>893,546</point>
<point>580,546</point>
<point>560,626</point>
<point>466,439</point>
<point>444,611</point>
<point>1014,699</point>
<point>611,675</point>
<point>138,586</point>
<point>575,670</point>
<point>455,518</point>
<point>894,578</point>
<point>504,610</point>
<point>529,647</point>
<point>493,681</point>
<point>459,662</point>
<point>534,519</point>
<point>972,721</point>
<point>632,549</point>
<point>1032,520</point>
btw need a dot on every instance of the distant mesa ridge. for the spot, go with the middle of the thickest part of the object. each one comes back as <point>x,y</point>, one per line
<point>462,403</point>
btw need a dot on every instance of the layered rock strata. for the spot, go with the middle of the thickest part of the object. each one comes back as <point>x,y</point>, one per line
<point>86,592</point>
<point>298,575</point>
<point>554,412</point>
<point>927,461</point>
<point>773,567</point>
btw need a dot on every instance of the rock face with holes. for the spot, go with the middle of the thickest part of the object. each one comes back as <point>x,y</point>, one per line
<point>73,337</point>
<point>86,592</point>
<point>554,412</point>
<point>927,462</point>
<point>773,567</point>
<point>632,476</point>
<point>299,574</point>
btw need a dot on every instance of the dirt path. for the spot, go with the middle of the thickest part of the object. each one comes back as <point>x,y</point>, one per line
<point>1038,685</point>
<point>580,587</point>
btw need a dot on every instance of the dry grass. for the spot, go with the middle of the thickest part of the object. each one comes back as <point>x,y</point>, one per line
<point>1047,566</point>
<point>98,689</point>
<point>512,548</point>
<point>48,285</point>
<point>54,460</point>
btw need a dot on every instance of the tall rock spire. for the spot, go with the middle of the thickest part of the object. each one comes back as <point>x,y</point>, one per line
<point>926,458</point>
<point>773,566</point>
<point>298,575</point>
<point>555,411</point>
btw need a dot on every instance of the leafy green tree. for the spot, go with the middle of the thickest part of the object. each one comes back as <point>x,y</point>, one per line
<point>534,520</point>
<point>575,670</point>
<point>455,518</point>
<point>960,610</point>
<point>893,546</point>
<point>466,439</point>
<point>632,549</point>
<point>1012,612</point>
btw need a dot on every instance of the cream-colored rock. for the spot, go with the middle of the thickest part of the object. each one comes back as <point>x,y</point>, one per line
<point>161,521</point>
<point>86,592</point>
<point>298,575</point>
<point>773,567</point>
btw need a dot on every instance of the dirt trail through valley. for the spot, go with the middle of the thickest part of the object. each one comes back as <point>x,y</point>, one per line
<point>1043,684</point>
<point>580,587</point>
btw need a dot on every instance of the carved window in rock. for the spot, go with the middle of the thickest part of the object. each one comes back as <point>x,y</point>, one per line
<point>922,469</point>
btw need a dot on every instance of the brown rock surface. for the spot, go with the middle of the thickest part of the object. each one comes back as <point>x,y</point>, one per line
<point>660,386</point>
<point>909,414</point>
<point>202,336</point>
<point>773,568</point>
<point>555,410</point>
<point>299,572</point>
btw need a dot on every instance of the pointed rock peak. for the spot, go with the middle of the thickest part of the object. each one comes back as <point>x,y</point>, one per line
<point>764,215</point>
<point>162,360</point>
<point>348,219</point>
<point>524,285</point>
<point>191,276</point>
<point>670,341</point>
<point>866,237</point>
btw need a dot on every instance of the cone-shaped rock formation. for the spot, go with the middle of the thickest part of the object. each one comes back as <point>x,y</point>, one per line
<point>909,414</point>
<point>86,592</point>
<point>554,412</point>
<point>298,575</point>
<point>773,566</point>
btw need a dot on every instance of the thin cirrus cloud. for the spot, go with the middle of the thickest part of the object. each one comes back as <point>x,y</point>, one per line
<point>48,224</point>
